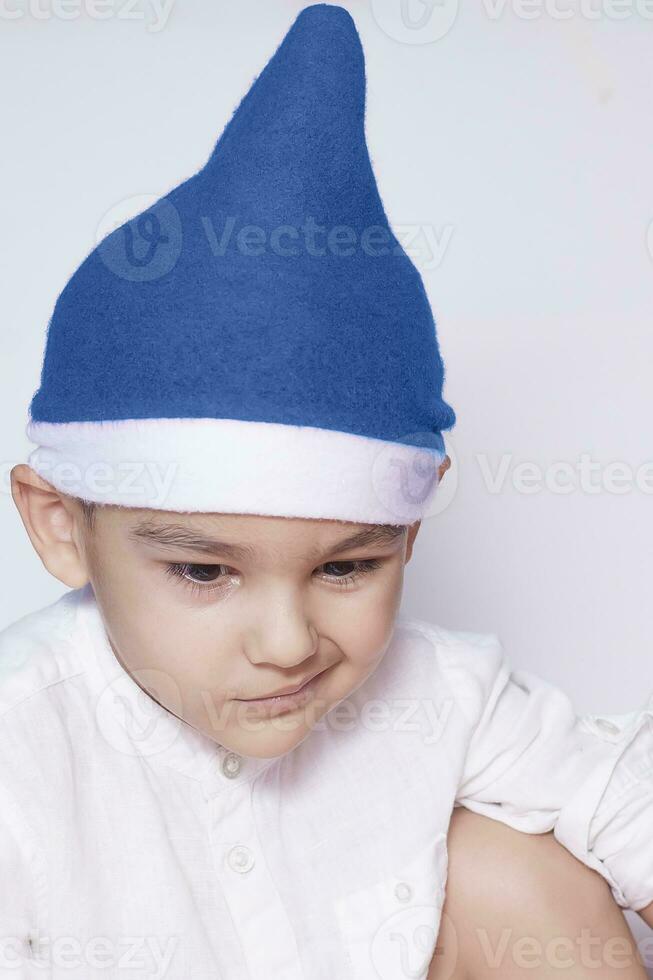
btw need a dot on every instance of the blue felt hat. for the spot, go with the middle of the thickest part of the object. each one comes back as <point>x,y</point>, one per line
<point>256,341</point>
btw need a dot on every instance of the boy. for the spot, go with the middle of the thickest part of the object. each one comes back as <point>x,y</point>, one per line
<point>224,753</point>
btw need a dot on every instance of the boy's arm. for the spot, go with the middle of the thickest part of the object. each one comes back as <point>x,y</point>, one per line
<point>536,765</point>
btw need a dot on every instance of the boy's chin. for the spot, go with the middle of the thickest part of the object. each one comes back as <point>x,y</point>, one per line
<point>272,737</point>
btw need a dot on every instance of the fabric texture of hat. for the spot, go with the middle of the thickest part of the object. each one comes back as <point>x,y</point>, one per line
<point>256,341</point>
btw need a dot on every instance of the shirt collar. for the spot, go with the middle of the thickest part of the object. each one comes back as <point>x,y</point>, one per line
<point>135,724</point>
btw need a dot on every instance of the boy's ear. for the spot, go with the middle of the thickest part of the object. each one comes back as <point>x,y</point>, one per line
<point>52,521</point>
<point>412,534</point>
<point>444,466</point>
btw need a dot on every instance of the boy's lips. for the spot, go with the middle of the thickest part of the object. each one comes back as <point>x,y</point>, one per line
<point>278,704</point>
<point>290,689</point>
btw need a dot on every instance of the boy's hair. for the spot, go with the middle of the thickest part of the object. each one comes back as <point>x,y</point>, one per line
<point>88,508</point>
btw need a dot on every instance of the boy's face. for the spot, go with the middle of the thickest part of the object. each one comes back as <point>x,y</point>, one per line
<point>226,608</point>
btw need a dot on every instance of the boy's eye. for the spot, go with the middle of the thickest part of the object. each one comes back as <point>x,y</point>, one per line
<point>200,578</point>
<point>348,570</point>
<point>345,572</point>
<point>200,573</point>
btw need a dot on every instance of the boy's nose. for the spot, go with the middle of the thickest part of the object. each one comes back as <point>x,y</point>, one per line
<point>284,638</point>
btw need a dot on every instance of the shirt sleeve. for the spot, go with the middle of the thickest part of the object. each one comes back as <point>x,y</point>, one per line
<point>536,765</point>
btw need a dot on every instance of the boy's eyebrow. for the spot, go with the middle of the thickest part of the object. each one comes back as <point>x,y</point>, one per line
<point>180,537</point>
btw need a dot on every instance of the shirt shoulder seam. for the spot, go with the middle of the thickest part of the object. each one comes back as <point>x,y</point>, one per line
<point>22,699</point>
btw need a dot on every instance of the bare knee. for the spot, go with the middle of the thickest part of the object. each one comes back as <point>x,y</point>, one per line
<point>513,897</point>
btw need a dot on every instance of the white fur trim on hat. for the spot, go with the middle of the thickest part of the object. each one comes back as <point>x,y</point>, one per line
<point>234,466</point>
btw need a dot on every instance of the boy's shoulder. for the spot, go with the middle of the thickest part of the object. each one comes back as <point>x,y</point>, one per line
<point>40,650</point>
<point>450,645</point>
<point>470,663</point>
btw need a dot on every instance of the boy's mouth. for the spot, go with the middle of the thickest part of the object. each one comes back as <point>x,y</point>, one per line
<point>282,692</point>
<point>278,704</point>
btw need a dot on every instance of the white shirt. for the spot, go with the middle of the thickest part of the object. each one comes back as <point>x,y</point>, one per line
<point>132,845</point>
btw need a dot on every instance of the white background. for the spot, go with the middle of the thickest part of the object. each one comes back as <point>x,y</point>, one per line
<point>524,145</point>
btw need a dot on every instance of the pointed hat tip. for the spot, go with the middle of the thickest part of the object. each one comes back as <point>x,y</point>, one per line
<point>321,13</point>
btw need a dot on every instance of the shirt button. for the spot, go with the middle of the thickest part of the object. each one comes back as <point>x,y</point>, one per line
<point>35,945</point>
<point>607,726</point>
<point>231,765</point>
<point>403,891</point>
<point>240,859</point>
